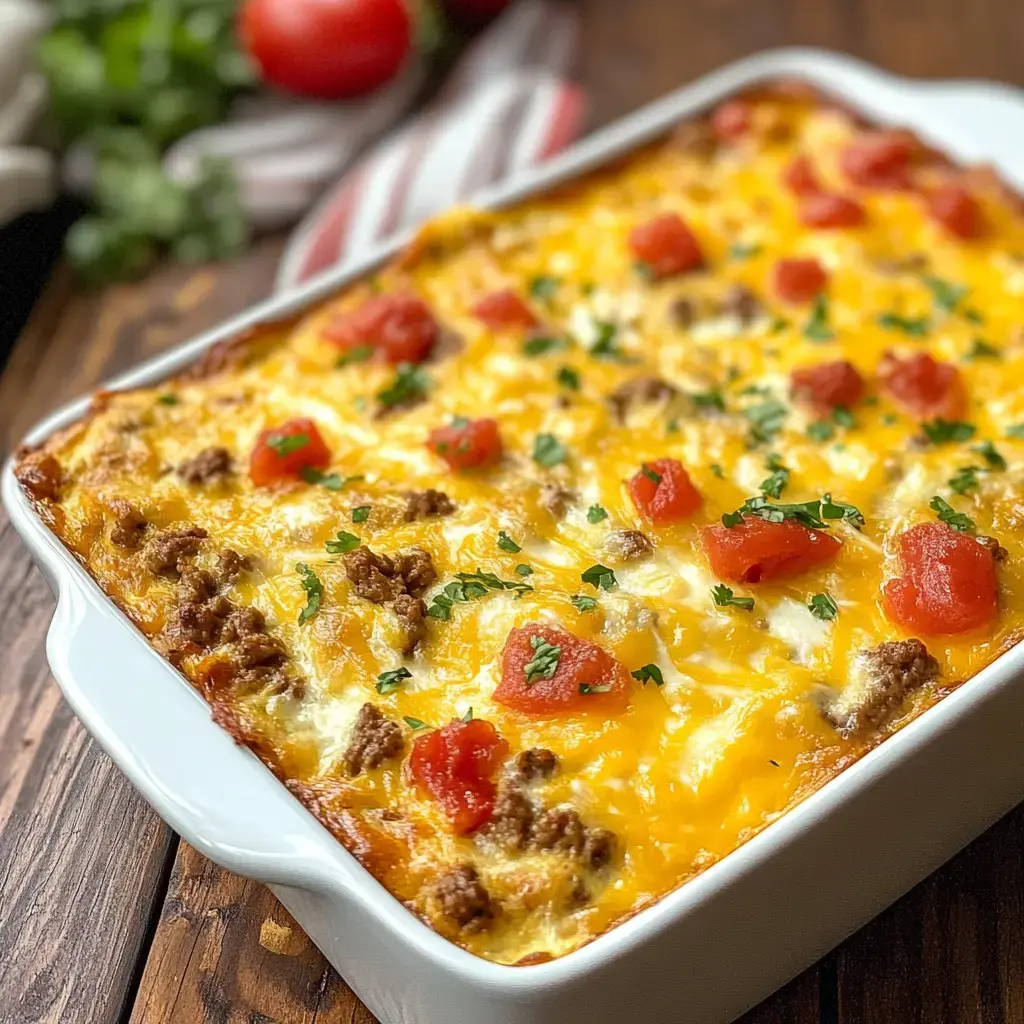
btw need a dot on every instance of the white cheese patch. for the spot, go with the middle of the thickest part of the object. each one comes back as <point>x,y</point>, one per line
<point>795,625</point>
<point>853,460</point>
<point>708,745</point>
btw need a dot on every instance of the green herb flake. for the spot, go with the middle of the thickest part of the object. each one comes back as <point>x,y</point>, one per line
<point>314,592</point>
<point>1016,430</point>
<point>411,383</point>
<point>600,577</point>
<point>773,485</point>
<point>582,603</point>
<point>414,723</point>
<point>842,417</point>
<point>648,672</point>
<point>772,761</point>
<point>940,431</point>
<point>981,349</point>
<point>541,344</point>
<point>821,430</point>
<point>717,470</point>
<point>523,569</point>
<point>568,378</point>
<point>359,354</point>
<point>606,345</point>
<point>949,515</point>
<point>731,519</point>
<point>709,400</point>
<point>945,295</point>
<point>725,598</point>
<point>988,451</point>
<point>543,287</point>
<point>468,716</point>
<point>544,663</point>
<point>651,475</point>
<point>817,327</point>
<point>744,250</point>
<point>916,327</point>
<point>361,513</point>
<point>332,481</point>
<point>548,450</point>
<point>813,514</point>
<point>644,269</point>
<point>822,606</point>
<point>286,444</point>
<point>596,514</point>
<point>345,542</point>
<point>766,420</point>
<point>506,543</point>
<point>965,480</point>
<point>168,399</point>
<point>388,682</point>
<point>471,586</point>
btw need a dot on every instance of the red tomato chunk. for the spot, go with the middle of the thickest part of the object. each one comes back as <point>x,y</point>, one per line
<point>504,309</point>
<point>662,492</point>
<point>827,386</point>
<point>799,280</point>
<point>282,453</point>
<point>454,764</point>
<point>467,444</point>
<point>828,210</point>
<point>396,328</point>
<point>547,671</point>
<point>800,177</point>
<point>879,160</point>
<point>924,387</point>
<point>666,245</point>
<point>948,582</point>
<point>731,120</point>
<point>757,551</point>
<point>956,210</point>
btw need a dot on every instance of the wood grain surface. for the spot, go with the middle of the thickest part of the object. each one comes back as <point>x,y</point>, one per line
<point>105,916</point>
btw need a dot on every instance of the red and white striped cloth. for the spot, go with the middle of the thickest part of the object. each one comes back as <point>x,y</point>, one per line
<point>505,108</point>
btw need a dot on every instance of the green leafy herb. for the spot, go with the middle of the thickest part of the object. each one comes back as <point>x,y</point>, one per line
<point>717,470</point>
<point>917,327</point>
<point>606,345</point>
<point>523,569</point>
<point>947,514</point>
<point>644,270</point>
<point>651,475</point>
<point>731,519</point>
<point>582,603</point>
<point>468,716</point>
<point>725,598</point>
<point>1016,430</point>
<point>981,349</point>
<point>359,354</point>
<point>842,417</point>
<point>285,444</point>
<point>987,450</point>
<point>388,682</point>
<point>946,296</point>
<point>332,481</point>
<point>766,420</point>
<point>506,543</point>
<point>361,513</point>
<point>586,689</point>
<point>568,378</point>
<point>823,607</point>
<point>544,287</point>
<point>541,344</point>
<point>708,400</point>
<point>965,480</point>
<point>672,427</point>
<point>772,761</point>
<point>345,542</point>
<point>411,383</point>
<point>600,577</point>
<point>773,486</point>
<point>821,430</point>
<point>471,586</point>
<point>648,672</point>
<point>744,250</point>
<point>548,450</point>
<point>168,399</point>
<point>972,316</point>
<point>778,325</point>
<point>414,723</point>
<point>813,514</point>
<point>544,663</point>
<point>817,327</point>
<point>314,592</point>
<point>940,431</point>
<point>596,513</point>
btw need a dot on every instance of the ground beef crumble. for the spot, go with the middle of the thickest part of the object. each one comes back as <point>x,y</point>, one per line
<point>210,464</point>
<point>171,546</point>
<point>40,474</point>
<point>463,898</point>
<point>628,545</point>
<point>129,525</point>
<point>535,763</point>
<point>375,739</point>
<point>428,503</point>
<point>640,391</point>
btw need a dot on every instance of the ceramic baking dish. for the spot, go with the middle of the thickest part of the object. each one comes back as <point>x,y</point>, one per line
<point>722,941</point>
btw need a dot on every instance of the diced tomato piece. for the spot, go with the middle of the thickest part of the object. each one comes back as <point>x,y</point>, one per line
<point>282,453</point>
<point>800,177</point>
<point>467,444</point>
<point>827,386</point>
<point>948,582</point>
<point>586,677</point>
<point>398,328</point>
<point>879,159</point>
<point>504,309</point>
<point>662,492</point>
<point>799,280</point>
<point>757,551</point>
<point>731,120</point>
<point>455,765</point>
<point>924,387</point>
<point>956,210</point>
<point>828,210</point>
<point>666,245</point>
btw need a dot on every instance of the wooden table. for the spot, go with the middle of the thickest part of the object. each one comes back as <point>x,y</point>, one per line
<point>105,916</point>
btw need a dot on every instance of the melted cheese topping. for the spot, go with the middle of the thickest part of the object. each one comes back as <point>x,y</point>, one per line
<point>731,740</point>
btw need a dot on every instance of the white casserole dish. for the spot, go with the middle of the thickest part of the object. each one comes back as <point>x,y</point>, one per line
<point>705,952</point>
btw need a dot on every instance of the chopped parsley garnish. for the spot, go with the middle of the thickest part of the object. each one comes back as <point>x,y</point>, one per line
<point>730,519</point>
<point>725,598</point>
<point>468,716</point>
<point>543,287</point>
<point>168,399</point>
<point>987,450</point>
<point>414,723</point>
<point>817,327</point>
<point>966,479</point>
<point>651,672</point>
<point>766,420</point>
<point>285,444</point>
<point>744,250</point>
<point>599,576</point>
<point>506,543</point>
<point>947,514</point>
<point>651,475</point>
<point>822,606</point>
<point>523,569</point>
<point>772,761</point>
<point>582,603</point>
<point>541,344</point>
<point>1016,430</point>
<point>471,586</point>
<point>773,486</point>
<point>586,689</point>
<point>644,269</point>
<point>778,325</point>
<point>548,450</point>
<point>345,542</point>
<point>544,663</point>
<point>388,682</point>
<point>361,513</point>
<point>717,470</point>
<point>359,354</point>
<point>596,513</point>
<point>812,514</point>
<point>981,349</point>
<point>708,400</point>
<point>332,481</point>
<point>314,592</point>
<point>606,345</point>
<point>568,378</point>
<point>946,296</point>
<point>940,431</point>
<point>842,417</point>
<point>821,430</point>
<point>916,327</point>
<point>410,384</point>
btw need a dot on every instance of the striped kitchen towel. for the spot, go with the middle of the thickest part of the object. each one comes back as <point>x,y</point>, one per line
<point>505,107</point>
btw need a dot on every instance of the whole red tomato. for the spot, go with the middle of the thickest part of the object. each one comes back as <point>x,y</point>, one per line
<point>330,49</point>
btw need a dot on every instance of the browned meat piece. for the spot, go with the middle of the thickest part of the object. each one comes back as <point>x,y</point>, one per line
<point>412,613</point>
<point>209,464</point>
<point>129,524</point>
<point>535,763</point>
<point>464,899</point>
<point>423,504</point>
<point>640,391</point>
<point>195,585</point>
<point>242,622</point>
<point>375,739</point>
<point>258,649</point>
<point>628,545</point>
<point>556,498</point>
<point>683,312</point>
<point>740,302</point>
<point>512,819</point>
<point>998,552</point>
<point>231,565</point>
<point>881,678</point>
<point>194,624</point>
<point>372,575</point>
<point>598,847</point>
<point>559,828</point>
<point>415,568</point>
<point>40,475</point>
<point>164,551</point>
